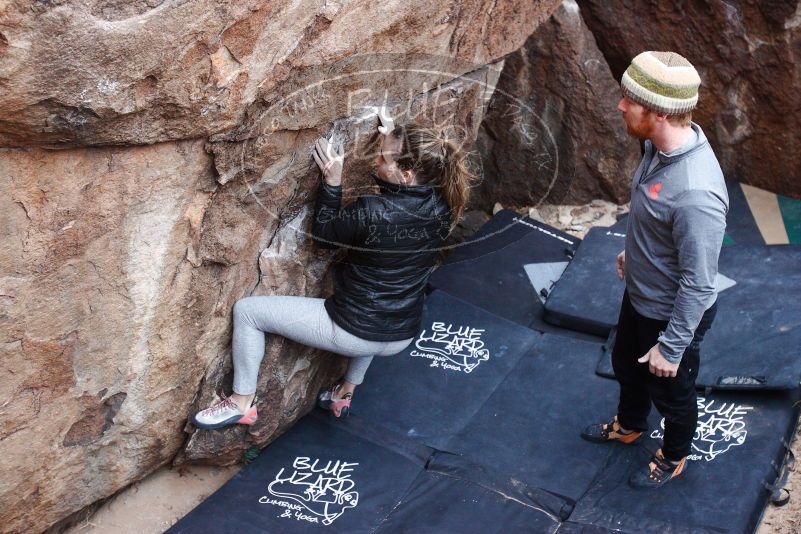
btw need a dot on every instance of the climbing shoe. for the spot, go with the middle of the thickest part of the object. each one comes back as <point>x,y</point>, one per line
<point>225,413</point>
<point>658,472</point>
<point>605,432</point>
<point>328,400</point>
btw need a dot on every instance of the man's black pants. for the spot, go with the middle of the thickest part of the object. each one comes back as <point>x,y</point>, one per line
<point>675,397</point>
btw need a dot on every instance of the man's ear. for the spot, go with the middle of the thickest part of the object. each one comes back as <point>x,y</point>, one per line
<point>408,176</point>
<point>661,117</point>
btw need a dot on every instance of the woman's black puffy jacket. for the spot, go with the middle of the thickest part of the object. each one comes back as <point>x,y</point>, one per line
<point>392,242</point>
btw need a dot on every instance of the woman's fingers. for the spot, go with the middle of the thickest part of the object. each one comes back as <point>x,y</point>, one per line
<point>323,148</point>
<point>319,161</point>
<point>326,154</point>
<point>330,151</point>
<point>320,145</point>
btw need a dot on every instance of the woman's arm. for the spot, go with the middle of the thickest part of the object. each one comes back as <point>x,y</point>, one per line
<point>334,226</point>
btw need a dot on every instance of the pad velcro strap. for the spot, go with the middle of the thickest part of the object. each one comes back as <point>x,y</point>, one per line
<point>779,495</point>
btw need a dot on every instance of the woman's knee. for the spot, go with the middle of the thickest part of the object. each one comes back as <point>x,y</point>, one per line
<point>245,308</point>
<point>263,312</point>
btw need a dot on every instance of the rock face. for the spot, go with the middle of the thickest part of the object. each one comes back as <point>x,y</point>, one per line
<point>748,55</point>
<point>121,263</point>
<point>552,132</point>
<point>97,326</point>
<point>111,72</point>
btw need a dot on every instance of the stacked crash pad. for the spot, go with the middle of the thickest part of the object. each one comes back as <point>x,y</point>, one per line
<point>508,268</point>
<point>755,341</point>
<point>587,296</point>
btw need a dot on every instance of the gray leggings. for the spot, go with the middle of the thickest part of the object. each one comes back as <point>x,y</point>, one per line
<point>301,319</point>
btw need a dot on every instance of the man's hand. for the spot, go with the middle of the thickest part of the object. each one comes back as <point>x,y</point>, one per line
<point>621,265</point>
<point>329,160</point>
<point>657,363</point>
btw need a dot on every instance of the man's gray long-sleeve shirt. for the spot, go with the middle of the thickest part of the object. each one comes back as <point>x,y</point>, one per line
<point>673,239</point>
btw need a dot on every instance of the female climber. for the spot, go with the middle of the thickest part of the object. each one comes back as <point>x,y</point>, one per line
<point>391,241</point>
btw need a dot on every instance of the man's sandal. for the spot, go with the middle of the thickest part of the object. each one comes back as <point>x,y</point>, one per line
<point>606,432</point>
<point>658,472</point>
<point>328,400</point>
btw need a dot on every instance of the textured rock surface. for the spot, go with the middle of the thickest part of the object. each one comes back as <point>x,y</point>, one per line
<point>98,338</point>
<point>749,57</point>
<point>121,265</point>
<point>103,71</point>
<point>578,219</point>
<point>553,133</point>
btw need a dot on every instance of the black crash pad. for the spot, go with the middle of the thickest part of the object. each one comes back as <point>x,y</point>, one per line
<point>504,267</point>
<point>439,503</point>
<point>513,458</point>
<point>316,477</point>
<point>430,391</point>
<point>620,226</point>
<point>587,296</point>
<point>505,228</point>
<point>528,430</point>
<point>755,341</point>
<point>740,437</point>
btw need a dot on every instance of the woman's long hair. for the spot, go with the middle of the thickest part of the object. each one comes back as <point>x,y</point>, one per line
<point>438,160</point>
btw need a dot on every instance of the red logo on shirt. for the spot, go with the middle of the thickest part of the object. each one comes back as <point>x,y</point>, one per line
<point>654,190</point>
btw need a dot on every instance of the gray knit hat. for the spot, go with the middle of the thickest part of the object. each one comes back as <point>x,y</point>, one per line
<point>664,82</point>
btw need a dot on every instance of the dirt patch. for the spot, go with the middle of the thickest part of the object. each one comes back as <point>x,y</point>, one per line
<point>154,504</point>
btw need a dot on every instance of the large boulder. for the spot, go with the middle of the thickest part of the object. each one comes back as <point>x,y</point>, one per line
<point>97,322</point>
<point>552,132</point>
<point>748,55</point>
<point>122,264</point>
<point>110,72</point>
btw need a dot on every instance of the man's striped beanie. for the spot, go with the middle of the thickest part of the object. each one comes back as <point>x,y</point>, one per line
<point>664,82</point>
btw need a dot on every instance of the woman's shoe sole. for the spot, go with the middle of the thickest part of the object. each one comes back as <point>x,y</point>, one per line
<point>248,419</point>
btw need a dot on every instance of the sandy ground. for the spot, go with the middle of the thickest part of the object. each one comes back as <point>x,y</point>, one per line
<point>786,519</point>
<point>154,504</point>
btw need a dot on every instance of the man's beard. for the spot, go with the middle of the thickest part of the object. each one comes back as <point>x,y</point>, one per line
<point>639,131</point>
